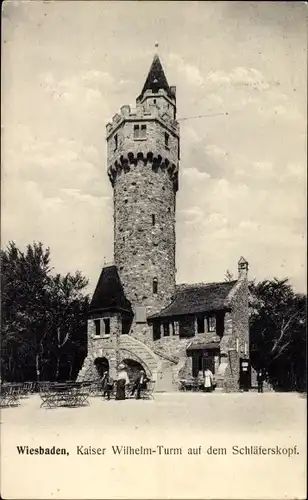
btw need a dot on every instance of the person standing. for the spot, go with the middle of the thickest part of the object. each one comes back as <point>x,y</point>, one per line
<point>140,384</point>
<point>122,381</point>
<point>107,384</point>
<point>260,380</point>
<point>208,380</point>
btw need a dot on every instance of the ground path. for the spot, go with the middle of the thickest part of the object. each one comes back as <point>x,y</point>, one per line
<point>172,421</point>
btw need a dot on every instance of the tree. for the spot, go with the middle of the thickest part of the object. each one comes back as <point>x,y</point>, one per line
<point>23,300</point>
<point>229,276</point>
<point>68,306</point>
<point>41,313</point>
<point>278,333</point>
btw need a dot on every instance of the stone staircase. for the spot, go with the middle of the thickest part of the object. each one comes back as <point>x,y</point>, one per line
<point>139,351</point>
<point>158,363</point>
<point>162,354</point>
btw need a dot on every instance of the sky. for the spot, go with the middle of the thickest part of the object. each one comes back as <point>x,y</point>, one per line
<point>68,67</point>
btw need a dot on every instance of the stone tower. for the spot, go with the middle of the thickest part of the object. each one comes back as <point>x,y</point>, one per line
<point>137,315</point>
<point>143,163</point>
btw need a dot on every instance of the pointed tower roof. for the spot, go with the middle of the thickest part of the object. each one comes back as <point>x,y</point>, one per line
<point>156,78</point>
<point>242,261</point>
<point>109,294</point>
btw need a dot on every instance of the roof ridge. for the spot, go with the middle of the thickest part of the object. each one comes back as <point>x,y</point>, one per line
<point>203,283</point>
<point>200,299</point>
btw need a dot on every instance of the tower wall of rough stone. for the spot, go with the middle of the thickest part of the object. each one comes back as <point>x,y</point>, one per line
<point>143,170</point>
<point>144,235</point>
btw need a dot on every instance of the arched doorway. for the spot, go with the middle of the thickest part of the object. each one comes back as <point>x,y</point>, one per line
<point>101,365</point>
<point>132,367</point>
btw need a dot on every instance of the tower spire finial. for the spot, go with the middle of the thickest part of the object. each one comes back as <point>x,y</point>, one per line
<point>156,47</point>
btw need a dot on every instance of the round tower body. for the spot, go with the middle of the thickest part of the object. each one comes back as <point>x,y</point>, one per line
<point>143,161</point>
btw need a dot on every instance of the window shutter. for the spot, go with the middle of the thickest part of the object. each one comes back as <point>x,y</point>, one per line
<point>97,327</point>
<point>102,328</point>
<point>175,328</point>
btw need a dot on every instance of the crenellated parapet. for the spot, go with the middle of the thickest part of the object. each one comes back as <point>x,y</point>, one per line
<point>148,133</point>
<point>156,162</point>
<point>140,113</point>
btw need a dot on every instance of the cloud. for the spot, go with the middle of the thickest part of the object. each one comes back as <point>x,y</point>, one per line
<point>282,112</point>
<point>263,169</point>
<point>242,176</point>
<point>80,197</point>
<point>95,77</point>
<point>55,165</point>
<point>248,77</point>
<point>84,89</point>
<point>191,72</point>
<point>194,175</point>
<point>67,219</point>
<point>216,152</point>
<point>295,173</point>
<point>192,215</point>
<point>247,90</point>
<point>189,135</point>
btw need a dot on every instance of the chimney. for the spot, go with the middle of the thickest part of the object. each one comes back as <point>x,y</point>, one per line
<point>242,269</point>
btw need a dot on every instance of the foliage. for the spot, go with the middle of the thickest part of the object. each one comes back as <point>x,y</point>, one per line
<point>229,276</point>
<point>43,316</point>
<point>278,333</point>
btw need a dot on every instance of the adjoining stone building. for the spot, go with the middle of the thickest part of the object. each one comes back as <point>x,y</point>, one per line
<point>138,314</point>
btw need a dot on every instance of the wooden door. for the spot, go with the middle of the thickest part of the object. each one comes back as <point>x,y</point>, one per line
<point>245,374</point>
<point>209,362</point>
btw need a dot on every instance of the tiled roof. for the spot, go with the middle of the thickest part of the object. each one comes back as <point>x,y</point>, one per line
<point>109,294</point>
<point>156,78</point>
<point>206,341</point>
<point>204,345</point>
<point>193,299</point>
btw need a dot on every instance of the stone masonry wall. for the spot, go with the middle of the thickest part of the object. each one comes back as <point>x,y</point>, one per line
<point>143,172</point>
<point>235,343</point>
<point>145,249</point>
<point>101,347</point>
<point>115,348</point>
<point>153,142</point>
<point>240,317</point>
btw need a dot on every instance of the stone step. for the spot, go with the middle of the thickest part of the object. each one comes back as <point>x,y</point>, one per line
<point>160,353</point>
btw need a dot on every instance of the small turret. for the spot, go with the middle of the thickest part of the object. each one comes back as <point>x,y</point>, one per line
<point>242,268</point>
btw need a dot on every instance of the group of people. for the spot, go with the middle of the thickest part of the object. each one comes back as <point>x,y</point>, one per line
<point>209,382</point>
<point>122,380</point>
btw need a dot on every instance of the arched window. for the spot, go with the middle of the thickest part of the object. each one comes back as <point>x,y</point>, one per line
<point>155,285</point>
